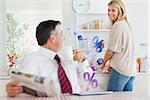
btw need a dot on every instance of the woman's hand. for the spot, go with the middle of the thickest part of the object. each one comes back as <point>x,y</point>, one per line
<point>13,89</point>
<point>103,66</point>
<point>78,56</point>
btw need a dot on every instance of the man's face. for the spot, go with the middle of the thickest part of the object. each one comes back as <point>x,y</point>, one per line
<point>59,37</point>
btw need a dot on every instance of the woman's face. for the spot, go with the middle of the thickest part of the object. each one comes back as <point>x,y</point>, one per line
<point>113,13</point>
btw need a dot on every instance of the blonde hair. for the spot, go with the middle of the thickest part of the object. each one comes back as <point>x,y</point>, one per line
<point>121,9</point>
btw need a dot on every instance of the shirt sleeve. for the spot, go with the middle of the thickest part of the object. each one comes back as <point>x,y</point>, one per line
<point>28,65</point>
<point>115,43</point>
<point>84,67</point>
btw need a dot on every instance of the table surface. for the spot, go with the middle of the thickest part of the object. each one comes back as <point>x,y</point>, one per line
<point>111,96</point>
<point>140,95</point>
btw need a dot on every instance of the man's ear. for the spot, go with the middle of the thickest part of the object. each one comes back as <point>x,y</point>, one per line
<point>52,38</point>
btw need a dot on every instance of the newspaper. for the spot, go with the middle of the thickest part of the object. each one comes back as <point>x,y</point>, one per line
<point>34,85</point>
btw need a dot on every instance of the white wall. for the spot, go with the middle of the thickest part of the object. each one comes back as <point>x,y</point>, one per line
<point>137,11</point>
<point>32,12</point>
<point>149,31</point>
<point>3,67</point>
<point>68,21</point>
<point>138,17</point>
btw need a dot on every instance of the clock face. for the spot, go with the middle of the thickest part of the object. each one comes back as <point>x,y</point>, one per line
<point>81,5</point>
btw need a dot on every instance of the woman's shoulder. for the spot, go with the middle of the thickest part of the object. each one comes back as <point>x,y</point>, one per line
<point>119,23</point>
<point>122,24</point>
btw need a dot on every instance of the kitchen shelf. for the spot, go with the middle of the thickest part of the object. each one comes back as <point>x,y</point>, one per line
<point>88,23</point>
<point>103,30</point>
<point>4,77</point>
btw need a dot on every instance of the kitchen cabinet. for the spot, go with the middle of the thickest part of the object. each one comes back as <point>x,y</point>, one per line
<point>89,26</point>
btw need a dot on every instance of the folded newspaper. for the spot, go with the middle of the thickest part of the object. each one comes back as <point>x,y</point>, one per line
<point>34,85</point>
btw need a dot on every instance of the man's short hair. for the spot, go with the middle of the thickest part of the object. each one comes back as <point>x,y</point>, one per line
<point>44,30</point>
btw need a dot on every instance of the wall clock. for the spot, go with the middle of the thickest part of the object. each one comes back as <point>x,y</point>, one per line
<point>81,6</point>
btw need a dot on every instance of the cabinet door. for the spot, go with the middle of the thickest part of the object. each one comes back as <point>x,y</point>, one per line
<point>141,83</point>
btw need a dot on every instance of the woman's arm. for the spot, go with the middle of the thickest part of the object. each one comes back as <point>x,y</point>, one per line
<point>108,55</point>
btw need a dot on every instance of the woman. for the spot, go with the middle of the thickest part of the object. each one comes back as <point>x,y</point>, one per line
<point>121,50</point>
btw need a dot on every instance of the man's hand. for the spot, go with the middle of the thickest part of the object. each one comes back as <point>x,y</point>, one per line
<point>13,89</point>
<point>78,55</point>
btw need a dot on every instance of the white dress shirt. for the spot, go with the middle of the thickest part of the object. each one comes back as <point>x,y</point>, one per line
<point>42,63</point>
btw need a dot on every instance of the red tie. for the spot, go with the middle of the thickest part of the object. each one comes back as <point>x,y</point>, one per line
<point>63,80</point>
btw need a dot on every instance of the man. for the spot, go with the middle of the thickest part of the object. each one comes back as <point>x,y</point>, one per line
<point>47,62</point>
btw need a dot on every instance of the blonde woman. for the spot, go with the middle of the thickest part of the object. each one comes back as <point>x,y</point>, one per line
<point>121,50</point>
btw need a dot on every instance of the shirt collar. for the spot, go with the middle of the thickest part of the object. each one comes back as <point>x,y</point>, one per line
<point>48,53</point>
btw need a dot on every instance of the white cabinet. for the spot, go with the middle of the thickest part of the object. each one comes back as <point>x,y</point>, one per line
<point>89,26</point>
<point>97,84</point>
<point>142,83</point>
